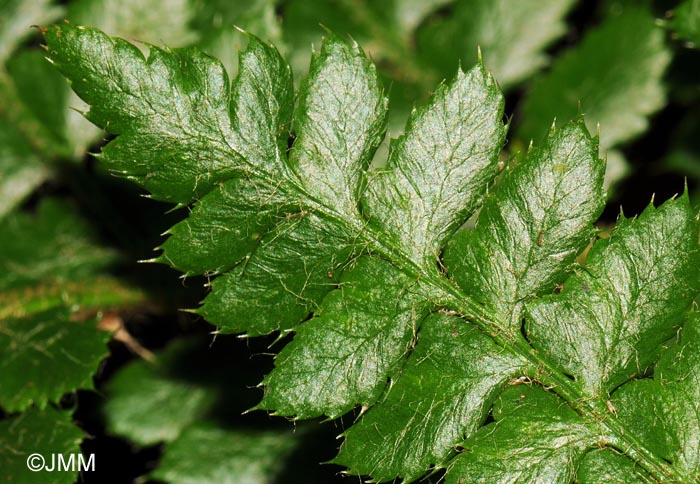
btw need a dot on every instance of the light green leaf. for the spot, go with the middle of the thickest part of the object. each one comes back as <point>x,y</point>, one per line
<point>533,224</point>
<point>46,355</point>
<point>512,36</point>
<point>162,23</point>
<point>686,21</point>
<point>205,454</point>
<point>214,21</point>
<point>154,402</point>
<point>613,314</point>
<point>20,170</point>
<point>47,432</point>
<point>455,140</point>
<point>615,73</point>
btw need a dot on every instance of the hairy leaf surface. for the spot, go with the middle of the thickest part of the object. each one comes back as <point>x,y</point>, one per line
<point>396,305</point>
<point>532,226</point>
<point>613,314</point>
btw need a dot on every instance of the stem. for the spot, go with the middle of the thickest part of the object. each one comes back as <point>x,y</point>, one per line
<point>451,297</point>
<point>552,378</point>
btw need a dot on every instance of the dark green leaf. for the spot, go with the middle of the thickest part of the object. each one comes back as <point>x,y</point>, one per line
<point>545,449</point>
<point>63,247</point>
<point>444,393</point>
<point>46,355</point>
<point>292,269</point>
<point>47,432</point>
<point>344,356</point>
<point>664,412</point>
<point>190,148</point>
<point>609,467</point>
<point>308,233</point>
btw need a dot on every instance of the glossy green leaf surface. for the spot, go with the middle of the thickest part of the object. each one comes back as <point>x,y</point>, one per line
<point>343,357</point>
<point>47,432</point>
<point>522,450</point>
<point>667,421</point>
<point>456,139</point>
<point>609,467</point>
<point>628,299</point>
<point>527,233</point>
<point>426,324</point>
<point>444,393</point>
<point>201,137</point>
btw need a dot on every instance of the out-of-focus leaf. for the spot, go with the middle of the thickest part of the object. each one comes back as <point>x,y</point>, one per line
<point>615,73</point>
<point>20,172</point>
<point>47,432</point>
<point>512,36</point>
<point>52,245</point>
<point>46,355</point>
<point>686,21</point>
<point>16,19</point>
<point>208,454</point>
<point>151,402</point>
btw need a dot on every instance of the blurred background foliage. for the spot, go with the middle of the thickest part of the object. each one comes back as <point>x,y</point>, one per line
<point>94,353</point>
